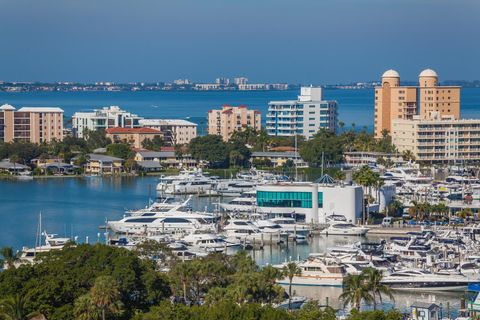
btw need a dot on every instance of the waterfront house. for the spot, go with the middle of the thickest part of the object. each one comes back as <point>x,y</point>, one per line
<point>102,164</point>
<point>133,136</point>
<point>361,158</point>
<point>58,168</point>
<point>13,168</point>
<point>166,159</point>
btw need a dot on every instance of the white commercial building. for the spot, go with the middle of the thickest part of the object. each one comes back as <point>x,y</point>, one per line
<point>175,131</point>
<point>305,116</point>
<point>310,202</point>
<point>108,117</point>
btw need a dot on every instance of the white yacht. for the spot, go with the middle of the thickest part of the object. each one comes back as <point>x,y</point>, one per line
<point>291,226</point>
<point>187,182</point>
<point>426,281</point>
<point>344,229</point>
<point>209,242</point>
<point>169,222</point>
<point>246,202</point>
<point>163,205</point>
<point>317,271</point>
<point>245,230</point>
<point>234,188</point>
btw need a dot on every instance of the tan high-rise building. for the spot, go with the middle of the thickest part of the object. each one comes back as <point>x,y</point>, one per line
<point>34,125</point>
<point>230,119</point>
<point>393,101</point>
<point>435,100</point>
<point>429,100</point>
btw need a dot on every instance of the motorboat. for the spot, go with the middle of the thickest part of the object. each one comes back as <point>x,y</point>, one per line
<point>344,229</point>
<point>235,188</point>
<point>164,204</point>
<point>246,202</point>
<point>317,271</point>
<point>291,226</point>
<point>415,279</point>
<point>209,242</point>
<point>187,182</point>
<point>246,230</point>
<point>164,223</point>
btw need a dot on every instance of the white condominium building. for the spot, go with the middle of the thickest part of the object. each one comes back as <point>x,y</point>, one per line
<point>108,117</point>
<point>440,140</point>
<point>175,131</point>
<point>305,116</point>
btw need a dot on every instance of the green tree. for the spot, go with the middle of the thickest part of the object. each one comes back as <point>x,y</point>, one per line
<point>85,309</point>
<point>154,144</point>
<point>14,308</point>
<point>355,290</point>
<point>105,295</point>
<point>291,270</point>
<point>119,150</point>
<point>210,148</point>
<point>9,257</point>
<point>373,278</point>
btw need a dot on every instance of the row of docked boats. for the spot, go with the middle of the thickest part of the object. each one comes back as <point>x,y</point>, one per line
<point>197,182</point>
<point>433,260</point>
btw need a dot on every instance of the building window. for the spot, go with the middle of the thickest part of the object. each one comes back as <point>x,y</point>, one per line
<point>284,199</point>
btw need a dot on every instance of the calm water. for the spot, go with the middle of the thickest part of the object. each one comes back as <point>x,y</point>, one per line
<point>355,106</point>
<point>77,206</point>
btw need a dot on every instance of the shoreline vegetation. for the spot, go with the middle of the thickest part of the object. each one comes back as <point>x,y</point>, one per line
<point>105,282</point>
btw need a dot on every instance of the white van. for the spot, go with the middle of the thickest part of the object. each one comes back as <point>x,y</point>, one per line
<point>387,221</point>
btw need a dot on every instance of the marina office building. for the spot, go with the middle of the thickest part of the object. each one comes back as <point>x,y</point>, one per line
<point>305,116</point>
<point>311,202</point>
<point>108,117</point>
<point>427,100</point>
<point>31,124</point>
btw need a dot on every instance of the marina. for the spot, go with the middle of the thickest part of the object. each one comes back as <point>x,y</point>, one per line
<point>435,265</point>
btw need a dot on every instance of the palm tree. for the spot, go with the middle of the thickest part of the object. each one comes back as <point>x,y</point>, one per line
<point>355,291</point>
<point>105,295</point>
<point>373,278</point>
<point>291,270</point>
<point>84,308</point>
<point>183,272</point>
<point>9,256</point>
<point>14,159</point>
<point>13,308</point>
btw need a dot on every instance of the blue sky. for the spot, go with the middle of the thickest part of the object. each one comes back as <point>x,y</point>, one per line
<point>296,41</point>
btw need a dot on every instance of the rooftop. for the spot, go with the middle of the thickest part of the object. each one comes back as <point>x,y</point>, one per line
<point>7,107</point>
<point>177,122</point>
<point>428,73</point>
<point>391,74</point>
<point>131,130</point>
<point>101,157</point>
<point>40,109</point>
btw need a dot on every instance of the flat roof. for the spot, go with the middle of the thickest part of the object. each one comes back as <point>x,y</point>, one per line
<point>40,109</point>
<point>178,122</point>
<point>157,154</point>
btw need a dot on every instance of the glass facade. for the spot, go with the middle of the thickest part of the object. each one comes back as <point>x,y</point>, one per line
<point>284,199</point>
<point>320,199</point>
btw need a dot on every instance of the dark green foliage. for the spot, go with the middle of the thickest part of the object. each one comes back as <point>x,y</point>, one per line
<point>67,274</point>
<point>119,150</point>
<point>326,143</point>
<point>375,315</point>
<point>210,148</point>
<point>154,144</point>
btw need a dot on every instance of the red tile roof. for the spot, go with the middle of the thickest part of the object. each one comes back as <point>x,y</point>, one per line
<point>132,130</point>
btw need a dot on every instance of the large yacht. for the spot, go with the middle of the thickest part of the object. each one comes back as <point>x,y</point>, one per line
<point>317,271</point>
<point>245,230</point>
<point>344,229</point>
<point>424,280</point>
<point>187,182</point>
<point>164,204</point>
<point>209,242</point>
<point>246,202</point>
<point>169,222</point>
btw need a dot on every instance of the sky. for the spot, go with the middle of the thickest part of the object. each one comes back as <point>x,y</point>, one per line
<point>294,41</point>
